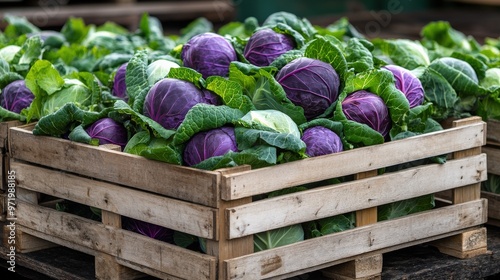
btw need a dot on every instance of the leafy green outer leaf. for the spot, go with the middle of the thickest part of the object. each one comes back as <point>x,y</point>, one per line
<point>43,80</point>
<point>75,30</point>
<point>403,52</point>
<point>30,51</point>
<point>269,94</point>
<point>136,79</point>
<point>161,150</point>
<point>489,107</point>
<point>438,91</point>
<point>405,207</point>
<point>358,55</point>
<point>146,123</point>
<point>332,224</point>
<point>246,138</point>
<point>202,117</point>
<point>187,74</point>
<point>256,157</point>
<point>323,49</point>
<point>477,64</point>
<point>442,33</point>
<point>78,134</point>
<point>278,237</point>
<point>9,77</point>
<point>6,115</point>
<point>231,93</point>
<point>138,142</point>
<point>21,25</point>
<point>65,119</point>
<point>461,82</point>
<point>492,184</point>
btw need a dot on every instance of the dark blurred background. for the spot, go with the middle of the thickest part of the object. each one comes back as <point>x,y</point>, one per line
<point>378,18</point>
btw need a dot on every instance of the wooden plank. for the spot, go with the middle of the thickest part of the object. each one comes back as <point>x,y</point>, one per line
<point>362,268</point>
<point>493,134</point>
<point>465,245</point>
<point>181,182</point>
<point>473,191</point>
<point>225,248</point>
<point>106,267</point>
<point>493,159</point>
<point>4,132</point>
<point>337,199</point>
<point>26,243</point>
<point>78,232</point>
<point>350,243</point>
<point>493,207</point>
<point>361,159</point>
<point>156,209</point>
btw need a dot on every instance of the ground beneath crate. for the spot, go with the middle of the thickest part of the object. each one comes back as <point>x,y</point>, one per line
<point>419,262</point>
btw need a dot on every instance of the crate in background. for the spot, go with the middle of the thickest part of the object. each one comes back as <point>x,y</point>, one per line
<point>492,149</point>
<point>217,206</point>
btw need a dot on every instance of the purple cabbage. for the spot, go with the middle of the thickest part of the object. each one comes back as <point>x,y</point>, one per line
<point>210,54</point>
<point>311,84</point>
<point>211,143</point>
<point>16,96</point>
<point>321,141</point>
<point>408,84</point>
<point>368,108</point>
<point>119,85</point>
<point>108,131</point>
<point>169,100</point>
<point>265,45</point>
<point>148,229</point>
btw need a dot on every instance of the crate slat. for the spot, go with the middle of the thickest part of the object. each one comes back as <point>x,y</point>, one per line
<point>315,169</point>
<point>96,237</point>
<point>156,209</point>
<point>309,253</point>
<point>339,199</point>
<point>121,168</point>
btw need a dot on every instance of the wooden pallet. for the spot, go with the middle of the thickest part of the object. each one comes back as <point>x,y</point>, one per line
<point>217,206</point>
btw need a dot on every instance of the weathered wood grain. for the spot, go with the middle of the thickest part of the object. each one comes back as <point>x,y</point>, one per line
<point>337,199</point>
<point>264,180</point>
<point>357,241</point>
<point>156,209</point>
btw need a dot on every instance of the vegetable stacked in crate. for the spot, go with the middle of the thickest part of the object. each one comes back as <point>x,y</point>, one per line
<point>191,157</point>
<point>217,205</point>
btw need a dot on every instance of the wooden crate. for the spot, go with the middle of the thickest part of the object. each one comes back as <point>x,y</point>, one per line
<point>492,149</point>
<point>217,205</point>
<point>4,165</point>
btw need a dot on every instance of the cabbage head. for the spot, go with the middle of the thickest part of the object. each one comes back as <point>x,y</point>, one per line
<point>73,90</point>
<point>265,45</point>
<point>16,96</point>
<point>311,84</point>
<point>211,143</point>
<point>169,100</point>
<point>408,84</point>
<point>368,108</point>
<point>321,141</point>
<point>119,85</point>
<point>208,53</point>
<point>108,131</point>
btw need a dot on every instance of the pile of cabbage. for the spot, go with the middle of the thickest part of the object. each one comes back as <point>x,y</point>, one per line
<point>248,93</point>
